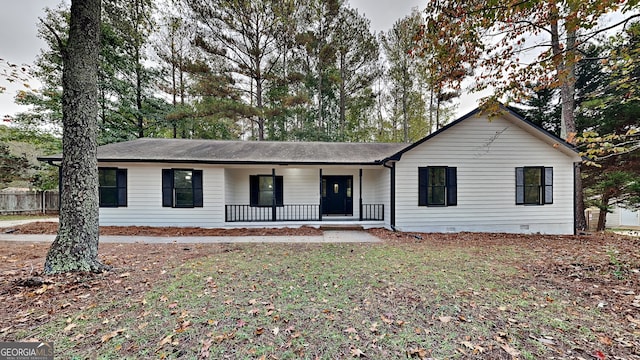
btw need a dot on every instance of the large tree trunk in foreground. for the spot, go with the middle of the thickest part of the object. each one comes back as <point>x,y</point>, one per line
<point>76,246</point>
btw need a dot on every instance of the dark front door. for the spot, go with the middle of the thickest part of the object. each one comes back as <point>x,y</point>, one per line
<point>337,195</point>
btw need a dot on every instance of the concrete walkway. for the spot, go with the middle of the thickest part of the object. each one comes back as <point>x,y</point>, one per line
<point>329,236</point>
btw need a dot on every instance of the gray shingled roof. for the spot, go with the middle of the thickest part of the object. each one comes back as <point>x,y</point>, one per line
<point>244,152</point>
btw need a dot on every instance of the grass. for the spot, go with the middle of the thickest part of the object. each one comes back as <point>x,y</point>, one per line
<point>333,301</point>
<point>23,217</point>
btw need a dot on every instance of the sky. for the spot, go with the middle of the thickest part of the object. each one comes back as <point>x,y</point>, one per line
<point>19,43</point>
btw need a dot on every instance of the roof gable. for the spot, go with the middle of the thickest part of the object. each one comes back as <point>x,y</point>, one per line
<point>508,114</point>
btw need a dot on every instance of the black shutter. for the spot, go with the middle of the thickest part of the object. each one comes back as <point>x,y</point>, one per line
<point>254,187</point>
<point>452,186</point>
<point>279,191</point>
<point>167,187</point>
<point>423,178</point>
<point>548,185</point>
<point>519,186</point>
<point>196,182</point>
<point>121,183</point>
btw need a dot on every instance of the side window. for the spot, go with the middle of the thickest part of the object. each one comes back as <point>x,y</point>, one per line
<point>437,186</point>
<point>262,190</point>
<point>534,185</point>
<point>182,188</point>
<point>112,187</point>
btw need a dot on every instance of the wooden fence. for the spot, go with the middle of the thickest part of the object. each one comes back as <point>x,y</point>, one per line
<point>29,202</point>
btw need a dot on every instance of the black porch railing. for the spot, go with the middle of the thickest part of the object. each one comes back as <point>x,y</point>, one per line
<point>304,212</point>
<point>248,213</point>
<point>372,212</point>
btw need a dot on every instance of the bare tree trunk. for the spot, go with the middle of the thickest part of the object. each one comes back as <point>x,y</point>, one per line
<point>602,217</point>
<point>564,58</point>
<point>76,245</point>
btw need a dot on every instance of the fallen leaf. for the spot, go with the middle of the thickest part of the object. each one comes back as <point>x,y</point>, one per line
<point>204,350</point>
<point>166,340</point>
<point>351,330</point>
<point>275,331</point>
<point>599,354</point>
<point>511,351</point>
<point>111,335</point>
<point>605,340</point>
<point>69,327</point>
<point>355,352</point>
<point>445,319</point>
<point>468,344</point>
<point>259,331</point>
<point>125,275</point>
<point>374,327</point>
<point>419,352</point>
<point>631,319</point>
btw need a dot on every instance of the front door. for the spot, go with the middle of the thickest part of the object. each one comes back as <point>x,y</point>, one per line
<point>337,195</point>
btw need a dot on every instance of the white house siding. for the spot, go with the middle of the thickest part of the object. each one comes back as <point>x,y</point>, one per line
<point>301,185</point>
<point>486,154</point>
<point>144,198</point>
<point>376,189</point>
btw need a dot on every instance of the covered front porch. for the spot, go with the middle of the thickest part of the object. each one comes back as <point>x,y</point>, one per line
<point>307,195</point>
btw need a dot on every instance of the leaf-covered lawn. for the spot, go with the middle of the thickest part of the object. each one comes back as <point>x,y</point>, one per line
<point>445,296</point>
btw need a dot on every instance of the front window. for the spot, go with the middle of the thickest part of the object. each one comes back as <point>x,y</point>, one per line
<point>112,187</point>
<point>534,185</point>
<point>266,189</point>
<point>108,187</point>
<point>183,187</point>
<point>436,185</point>
<point>263,190</point>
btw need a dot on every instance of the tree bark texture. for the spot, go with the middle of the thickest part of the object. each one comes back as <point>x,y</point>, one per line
<point>76,245</point>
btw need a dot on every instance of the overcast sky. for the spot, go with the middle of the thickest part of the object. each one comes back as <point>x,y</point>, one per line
<point>19,42</point>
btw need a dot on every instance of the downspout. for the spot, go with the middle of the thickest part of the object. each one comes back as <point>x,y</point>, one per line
<point>392,200</point>
<point>360,205</point>
<point>274,195</point>
<point>320,193</point>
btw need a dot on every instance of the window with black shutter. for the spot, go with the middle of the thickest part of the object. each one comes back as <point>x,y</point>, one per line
<point>112,187</point>
<point>534,185</point>
<point>262,190</point>
<point>182,188</point>
<point>437,186</point>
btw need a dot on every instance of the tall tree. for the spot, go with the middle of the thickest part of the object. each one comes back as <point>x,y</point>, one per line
<point>75,248</point>
<point>403,75</point>
<point>242,33</point>
<point>357,55</point>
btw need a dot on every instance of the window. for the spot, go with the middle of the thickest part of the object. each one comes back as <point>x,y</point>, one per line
<point>534,185</point>
<point>437,186</point>
<point>181,188</point>
<point>112,189</point>
<point>262,190</point>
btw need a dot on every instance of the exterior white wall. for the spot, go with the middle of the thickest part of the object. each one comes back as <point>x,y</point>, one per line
<point>622,217</point>
<point>486,154</point>
<point>144,198</point>
<point>225,186</point>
